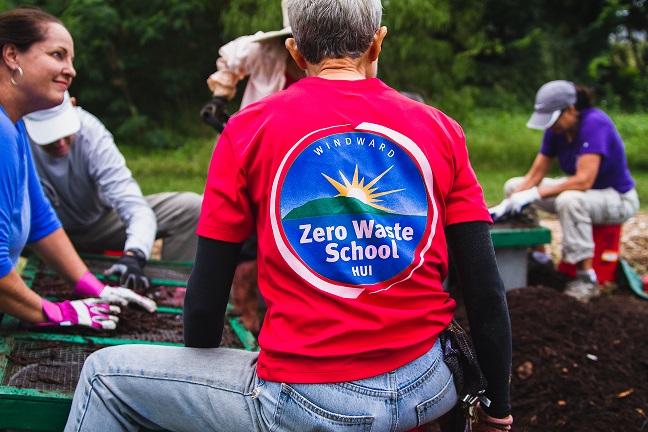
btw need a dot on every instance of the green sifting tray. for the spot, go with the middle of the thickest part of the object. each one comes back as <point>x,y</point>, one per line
<point>39,368</point>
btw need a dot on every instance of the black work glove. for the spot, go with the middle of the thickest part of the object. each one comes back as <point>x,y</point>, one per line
<point>213,113</point>
<point>129,268</point>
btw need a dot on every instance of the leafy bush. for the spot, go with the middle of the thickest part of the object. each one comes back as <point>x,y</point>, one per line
<point>142,65</point>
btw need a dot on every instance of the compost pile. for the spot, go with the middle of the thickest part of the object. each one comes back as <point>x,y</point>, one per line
<point>577,367</point>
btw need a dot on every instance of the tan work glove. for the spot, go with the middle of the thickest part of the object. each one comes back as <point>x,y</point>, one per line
<point>485,423</point>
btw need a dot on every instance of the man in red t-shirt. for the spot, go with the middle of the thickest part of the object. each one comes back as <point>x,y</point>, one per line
<point>350,206</point>
<point>355,191</point>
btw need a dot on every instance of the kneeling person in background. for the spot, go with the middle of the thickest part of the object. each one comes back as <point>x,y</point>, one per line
<point>99,203</point>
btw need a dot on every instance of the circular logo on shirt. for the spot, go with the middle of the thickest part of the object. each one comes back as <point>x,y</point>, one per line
<point>352,210</point>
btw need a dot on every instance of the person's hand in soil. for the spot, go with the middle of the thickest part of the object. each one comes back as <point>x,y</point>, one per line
<point>87,313</point>
<point>90,286</point>
<point>130,269</point>
<point>245,295</point>
<point>486,423</point>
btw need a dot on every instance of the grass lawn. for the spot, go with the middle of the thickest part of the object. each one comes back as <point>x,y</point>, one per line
<point>500,147</point>
<point>181,169</point>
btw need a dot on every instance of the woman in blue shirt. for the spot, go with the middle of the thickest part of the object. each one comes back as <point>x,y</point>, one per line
<point>35,71</point>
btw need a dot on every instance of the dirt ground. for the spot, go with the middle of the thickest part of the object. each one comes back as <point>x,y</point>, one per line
<point>581,367</point>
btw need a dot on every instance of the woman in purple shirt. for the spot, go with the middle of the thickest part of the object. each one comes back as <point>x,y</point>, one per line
<point>597,187</point>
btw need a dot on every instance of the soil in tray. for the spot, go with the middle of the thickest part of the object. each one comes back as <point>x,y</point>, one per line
<point>53,286</point>
<point>167,295</point>
<point>133,323</point>
<point>140,325</point>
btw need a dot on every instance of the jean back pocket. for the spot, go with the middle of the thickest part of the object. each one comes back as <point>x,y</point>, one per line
<point>295,412</point>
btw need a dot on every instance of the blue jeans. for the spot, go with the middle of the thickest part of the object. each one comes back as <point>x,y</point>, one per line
<point>126,387</point>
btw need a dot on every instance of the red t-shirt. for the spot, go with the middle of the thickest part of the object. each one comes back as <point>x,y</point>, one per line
<point>349,186</point>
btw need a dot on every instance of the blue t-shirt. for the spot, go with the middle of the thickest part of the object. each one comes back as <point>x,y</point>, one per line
<point>26,215</point>
<point>597,134</point>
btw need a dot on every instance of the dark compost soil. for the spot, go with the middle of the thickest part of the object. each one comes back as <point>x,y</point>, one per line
<point>53,286</point>
<point>133,323</point>
<point>141,325</point>
<point>577,367</point>
<point>52,365</point>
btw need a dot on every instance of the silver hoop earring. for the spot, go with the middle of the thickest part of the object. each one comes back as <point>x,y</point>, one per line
<point>20,75</point>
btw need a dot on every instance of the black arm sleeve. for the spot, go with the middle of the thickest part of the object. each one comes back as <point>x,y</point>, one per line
<point>472,253</point>
<point>208,292</point>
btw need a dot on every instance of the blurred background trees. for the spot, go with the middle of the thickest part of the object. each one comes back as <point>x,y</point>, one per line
<point>142,65</point>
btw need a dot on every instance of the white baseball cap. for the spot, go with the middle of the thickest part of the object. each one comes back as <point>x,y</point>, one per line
<point>50,125</point>
<point>551,99</point>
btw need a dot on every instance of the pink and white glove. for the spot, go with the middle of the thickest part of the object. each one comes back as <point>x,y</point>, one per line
<point>90,286</point>
<point>87,312</point>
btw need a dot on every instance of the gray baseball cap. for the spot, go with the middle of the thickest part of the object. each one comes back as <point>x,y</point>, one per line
<point>551,99</point>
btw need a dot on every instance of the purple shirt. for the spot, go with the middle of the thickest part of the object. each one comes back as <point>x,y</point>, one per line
<point>598,135</point>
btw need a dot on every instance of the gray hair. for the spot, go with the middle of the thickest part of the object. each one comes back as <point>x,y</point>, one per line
<point>333,28</point>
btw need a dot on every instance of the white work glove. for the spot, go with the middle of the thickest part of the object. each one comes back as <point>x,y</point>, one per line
<point>90,286</point>
<point>521,199</point>
<point>125,296</point>
<point>500,210</point>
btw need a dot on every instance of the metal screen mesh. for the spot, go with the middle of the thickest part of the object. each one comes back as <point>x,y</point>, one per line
<point>46,365</point>
<point>53,365</point>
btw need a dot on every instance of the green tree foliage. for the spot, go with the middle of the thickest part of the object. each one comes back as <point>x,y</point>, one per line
<point>142,65</point>
<point>540,41</point>
<point>244,17</point>
<point>621,73</point>
<point>599,43</point>
<point>430,49</point>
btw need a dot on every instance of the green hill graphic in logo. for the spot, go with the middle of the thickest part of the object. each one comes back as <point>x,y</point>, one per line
<point>354,197</point>
<point>333,206</point>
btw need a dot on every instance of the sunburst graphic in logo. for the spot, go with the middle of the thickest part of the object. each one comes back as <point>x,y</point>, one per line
<point>357,189</point>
